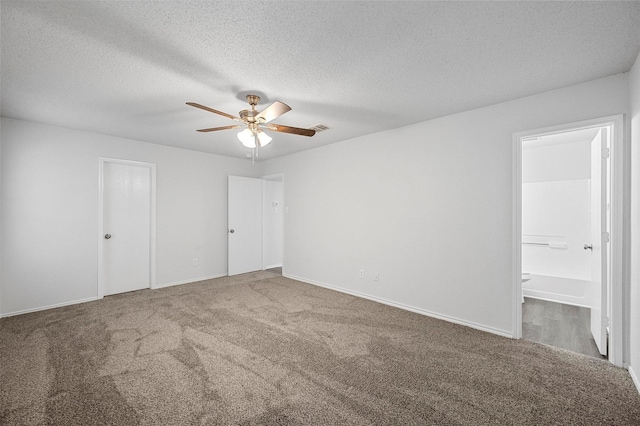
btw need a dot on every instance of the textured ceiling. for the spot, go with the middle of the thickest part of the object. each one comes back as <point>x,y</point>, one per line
<point>127,68</point>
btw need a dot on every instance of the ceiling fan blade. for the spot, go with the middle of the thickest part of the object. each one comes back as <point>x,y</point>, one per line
<point>273,111</point>
<point>289,129</point>
<point>215,111</point>
<point>213,129</point>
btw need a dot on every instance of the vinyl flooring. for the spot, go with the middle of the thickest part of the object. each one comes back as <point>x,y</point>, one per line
<point>559,325</point>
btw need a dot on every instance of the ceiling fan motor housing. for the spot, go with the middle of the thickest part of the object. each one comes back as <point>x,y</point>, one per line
<point>248,115</point>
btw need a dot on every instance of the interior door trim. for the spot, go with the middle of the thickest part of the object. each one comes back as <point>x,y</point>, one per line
<point>618,275</point>
<point>152,220</point>
<point>278,177</point>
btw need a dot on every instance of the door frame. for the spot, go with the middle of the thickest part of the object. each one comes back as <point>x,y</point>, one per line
<point>616,185</point>
<point>152,219</point>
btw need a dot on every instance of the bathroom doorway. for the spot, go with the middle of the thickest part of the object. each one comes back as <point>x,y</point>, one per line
<point>566,194</point>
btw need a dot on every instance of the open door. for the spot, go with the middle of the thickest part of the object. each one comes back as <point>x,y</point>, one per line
<point>245,225</point>
<point>599,240</point>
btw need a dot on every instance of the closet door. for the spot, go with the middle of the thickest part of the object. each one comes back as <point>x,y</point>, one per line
<point>126,227</point>
<point>244,225</point>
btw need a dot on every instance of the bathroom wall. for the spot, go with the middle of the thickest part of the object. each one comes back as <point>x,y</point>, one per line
<point>555,208</point>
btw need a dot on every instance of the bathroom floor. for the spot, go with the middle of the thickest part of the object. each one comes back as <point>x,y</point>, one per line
<point>559,325</point>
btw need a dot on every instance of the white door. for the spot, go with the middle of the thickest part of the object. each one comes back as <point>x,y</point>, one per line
<point>245,225</point>
<point>126,224</point>
<point>599,240</point>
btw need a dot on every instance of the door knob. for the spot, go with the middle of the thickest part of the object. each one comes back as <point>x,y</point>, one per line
<point>588,247</point>
<point>107,236</point>
<point>231,231</point>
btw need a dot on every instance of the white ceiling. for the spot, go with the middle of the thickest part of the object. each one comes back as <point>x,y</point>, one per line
<point>127,68</point>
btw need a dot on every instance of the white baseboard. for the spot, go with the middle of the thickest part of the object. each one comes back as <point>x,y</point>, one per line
<point>91,299</point>
<point>192,280</point>
<point>44,308</point>
<point>634,377</point>
<point>406,307</point>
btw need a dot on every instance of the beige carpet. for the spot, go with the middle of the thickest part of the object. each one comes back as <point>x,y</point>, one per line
<point>260,349</point>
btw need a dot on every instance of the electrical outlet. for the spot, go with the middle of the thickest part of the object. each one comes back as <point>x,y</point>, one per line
<point>361,274</point>
<point>195,262</point>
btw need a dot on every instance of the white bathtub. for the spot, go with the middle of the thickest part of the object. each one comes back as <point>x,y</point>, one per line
<point>555,289</point>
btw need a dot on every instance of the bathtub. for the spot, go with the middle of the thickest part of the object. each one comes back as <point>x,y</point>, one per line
<point>556,289</point>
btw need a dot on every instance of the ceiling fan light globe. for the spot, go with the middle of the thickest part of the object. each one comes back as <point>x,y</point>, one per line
<point>247,138</point>
<point>263,138</point>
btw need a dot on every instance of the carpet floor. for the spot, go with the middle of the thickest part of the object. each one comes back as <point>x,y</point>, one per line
<point>261,349</point>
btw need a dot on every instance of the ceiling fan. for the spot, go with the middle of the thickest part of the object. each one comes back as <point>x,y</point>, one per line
<point>253,120</point>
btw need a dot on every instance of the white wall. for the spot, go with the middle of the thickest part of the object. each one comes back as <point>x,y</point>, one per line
<point>0,218</point>
<point>49,212</point>
<point>556,162</point>
<point>427,206</point>
<point>634,113</point>
<point>558,213</point>
<point>555,202</point>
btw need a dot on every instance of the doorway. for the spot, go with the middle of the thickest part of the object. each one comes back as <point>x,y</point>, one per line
<point>126,236</point>
<point>567,241</point>
<point>273,222</point>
